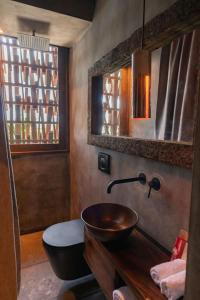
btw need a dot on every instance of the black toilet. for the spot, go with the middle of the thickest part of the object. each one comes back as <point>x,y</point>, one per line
<point>64,245</point>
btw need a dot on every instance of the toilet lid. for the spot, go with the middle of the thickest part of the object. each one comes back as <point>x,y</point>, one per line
<point>65,234</point>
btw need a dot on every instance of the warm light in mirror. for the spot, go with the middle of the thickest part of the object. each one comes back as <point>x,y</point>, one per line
<point>141,70</point>
<point>147,96</point>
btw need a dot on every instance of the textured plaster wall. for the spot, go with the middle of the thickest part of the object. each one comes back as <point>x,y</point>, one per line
<point>42,186</point>
<point>167,211</point>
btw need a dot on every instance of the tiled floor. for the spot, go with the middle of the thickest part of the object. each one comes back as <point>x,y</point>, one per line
<point>38,281</point>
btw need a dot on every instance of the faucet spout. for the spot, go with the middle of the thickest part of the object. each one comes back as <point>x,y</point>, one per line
<point>141,178</point>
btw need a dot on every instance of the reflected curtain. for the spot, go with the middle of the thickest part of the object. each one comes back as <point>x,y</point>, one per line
<point>177,87</point>
<point>9,225</point>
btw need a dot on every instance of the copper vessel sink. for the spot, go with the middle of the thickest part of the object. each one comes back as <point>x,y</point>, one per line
<point>109,221</point>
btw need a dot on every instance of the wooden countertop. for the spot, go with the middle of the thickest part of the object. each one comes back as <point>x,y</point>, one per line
<point>132,260</point>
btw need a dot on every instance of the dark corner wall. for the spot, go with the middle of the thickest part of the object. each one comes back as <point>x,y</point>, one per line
<point>42,187</point>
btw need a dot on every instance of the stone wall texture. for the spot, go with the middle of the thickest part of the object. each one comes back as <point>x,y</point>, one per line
<point>42,187</point>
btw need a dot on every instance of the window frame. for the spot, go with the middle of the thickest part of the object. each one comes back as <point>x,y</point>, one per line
<point>63,64</point>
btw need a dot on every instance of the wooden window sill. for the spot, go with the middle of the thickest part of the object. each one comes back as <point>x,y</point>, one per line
<point>16,154</point>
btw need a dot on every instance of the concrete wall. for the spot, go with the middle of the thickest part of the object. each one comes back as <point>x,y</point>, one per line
<point>167,211</point>
<point>42,186</point>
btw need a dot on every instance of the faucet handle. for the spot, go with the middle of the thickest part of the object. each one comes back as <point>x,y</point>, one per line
<point>154,184</point>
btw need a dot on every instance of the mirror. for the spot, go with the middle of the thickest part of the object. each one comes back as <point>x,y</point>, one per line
<point>160,127</point>
<point>169,112</point>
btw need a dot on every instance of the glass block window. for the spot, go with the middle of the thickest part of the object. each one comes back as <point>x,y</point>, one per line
<point>116,101</point>
<point>111,103</point>
<point>31,95</point>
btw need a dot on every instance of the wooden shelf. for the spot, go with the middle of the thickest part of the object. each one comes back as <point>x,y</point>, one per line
<point>127,262</point>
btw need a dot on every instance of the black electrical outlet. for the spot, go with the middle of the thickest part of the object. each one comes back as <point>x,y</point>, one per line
<point>104,162</point>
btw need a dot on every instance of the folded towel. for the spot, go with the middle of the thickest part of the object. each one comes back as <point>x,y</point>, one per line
<point>164,270</point>
<point>123,293</point>
<point>173,287</point>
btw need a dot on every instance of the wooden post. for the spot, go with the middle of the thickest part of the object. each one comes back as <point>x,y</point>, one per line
<point>34,97</point>
<point>114,111</point>
<point>193,261</point>
<point>28,114</point>
<point>9,227</point>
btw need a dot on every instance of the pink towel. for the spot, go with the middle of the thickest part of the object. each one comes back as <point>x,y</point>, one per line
<point>173,287</point>
<point>164,270</point>
<point>123,293</point>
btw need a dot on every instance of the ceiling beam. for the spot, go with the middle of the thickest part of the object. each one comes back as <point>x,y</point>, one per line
<point>82,9</point>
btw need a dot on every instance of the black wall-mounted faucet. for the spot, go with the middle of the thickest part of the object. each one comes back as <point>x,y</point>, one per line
<point>141,178</point>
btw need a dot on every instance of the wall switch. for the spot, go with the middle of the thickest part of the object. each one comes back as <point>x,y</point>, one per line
<point>104,162</point>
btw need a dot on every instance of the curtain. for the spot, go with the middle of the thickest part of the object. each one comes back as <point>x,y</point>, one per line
<point>177,87</point>
<point>9,225</point>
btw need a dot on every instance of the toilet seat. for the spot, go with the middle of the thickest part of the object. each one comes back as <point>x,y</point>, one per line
<point>65,234</point>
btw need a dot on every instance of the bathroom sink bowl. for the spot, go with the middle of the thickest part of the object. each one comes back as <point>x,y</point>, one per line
<point>109,221</point>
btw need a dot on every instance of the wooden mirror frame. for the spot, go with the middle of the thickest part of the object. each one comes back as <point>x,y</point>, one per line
<point>183,16</point>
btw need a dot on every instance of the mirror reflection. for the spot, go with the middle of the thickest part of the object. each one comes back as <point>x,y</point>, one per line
<point>169,112</point>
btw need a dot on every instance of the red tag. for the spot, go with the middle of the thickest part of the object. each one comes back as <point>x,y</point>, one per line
<point>178,249</point>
